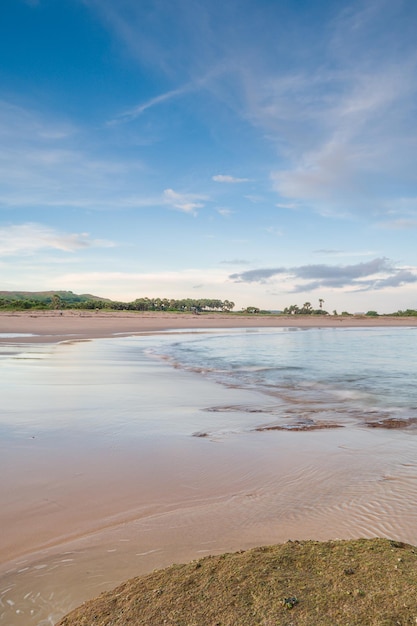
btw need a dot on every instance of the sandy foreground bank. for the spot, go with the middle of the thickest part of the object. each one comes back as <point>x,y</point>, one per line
<point>104,480</point>
<point>53,326</point>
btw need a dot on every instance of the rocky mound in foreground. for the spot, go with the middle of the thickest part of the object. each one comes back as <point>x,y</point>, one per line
<point>366,582</point>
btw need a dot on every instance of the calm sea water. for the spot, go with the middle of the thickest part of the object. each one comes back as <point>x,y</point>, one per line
<point>102,478</point>
<point>342,375</point>
<point>300,377</point>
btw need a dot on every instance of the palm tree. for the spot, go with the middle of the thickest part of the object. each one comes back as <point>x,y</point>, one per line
<point>321,302</point>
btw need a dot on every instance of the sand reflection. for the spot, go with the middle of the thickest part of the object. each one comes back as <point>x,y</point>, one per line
<point>103,478</point>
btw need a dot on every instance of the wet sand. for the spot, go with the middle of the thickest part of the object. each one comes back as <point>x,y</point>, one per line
<point>84,509</point>
<point>52,326</point>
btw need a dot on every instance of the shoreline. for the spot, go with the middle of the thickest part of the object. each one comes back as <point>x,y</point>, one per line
<point>54,326</point>
<point>106,480</point>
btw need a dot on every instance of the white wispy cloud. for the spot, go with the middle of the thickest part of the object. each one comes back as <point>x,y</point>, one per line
<point>186,202</point>
<point>344,253</point>
<point>21,124</point>
<point>273,230</point>
<point>226,178</point>
<point>340,124</point>
<point>255,199</point>
<point>400,224</point>
<point>30,238</point>
<point>340,120</point>
<point>235,262</point>
<point>225,212</point>
<point>352,143</point>
<point>46,163</point>
<point>287,205</point>
<point>136,111</point>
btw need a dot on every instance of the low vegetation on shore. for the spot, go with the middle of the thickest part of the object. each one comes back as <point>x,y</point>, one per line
<point>58,300</point>
<point>69,300</point>
<point>366,582</point>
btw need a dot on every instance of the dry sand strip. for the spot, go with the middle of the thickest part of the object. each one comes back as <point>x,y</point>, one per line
<point>55,326</point>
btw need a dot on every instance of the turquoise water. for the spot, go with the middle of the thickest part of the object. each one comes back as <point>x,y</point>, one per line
<point>365,375</point>
<point>296,377</point>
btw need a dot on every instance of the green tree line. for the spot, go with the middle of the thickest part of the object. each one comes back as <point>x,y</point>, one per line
<point>306,309</point>
<point>68,300</point>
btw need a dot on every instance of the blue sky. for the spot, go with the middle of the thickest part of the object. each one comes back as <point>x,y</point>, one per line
<point>261,151</point>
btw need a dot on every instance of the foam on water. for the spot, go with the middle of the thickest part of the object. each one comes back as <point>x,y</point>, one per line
<point>345,370</point>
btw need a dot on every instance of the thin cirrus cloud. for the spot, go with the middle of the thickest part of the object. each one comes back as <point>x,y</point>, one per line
<point>185,202</point>
<point>231,180</point>
<point>134,112</point>
<point>400,224</point>
<point>28,239</point>
<point>192,86</point>
<point>224,212</point>
<point>376,274</point>
<point>344,253</point>
<point>343,127</point>
<point>352,157</point>
<point>339,121</point>
<point>44,163</point>
<point>315,104</point>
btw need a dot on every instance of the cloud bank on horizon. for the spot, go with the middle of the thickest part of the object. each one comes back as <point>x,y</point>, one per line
<point>373,275</point>
<point>250,150</point>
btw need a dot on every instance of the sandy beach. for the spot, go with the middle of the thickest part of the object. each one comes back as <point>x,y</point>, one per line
<point>90,498</point>
<point>53,326</point>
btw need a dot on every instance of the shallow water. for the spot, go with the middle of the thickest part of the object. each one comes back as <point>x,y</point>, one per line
<point>316,373</point>
<point>103,477</point>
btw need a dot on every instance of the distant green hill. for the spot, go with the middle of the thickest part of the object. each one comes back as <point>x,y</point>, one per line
<point>18,300</point>
<point>46,298</point>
